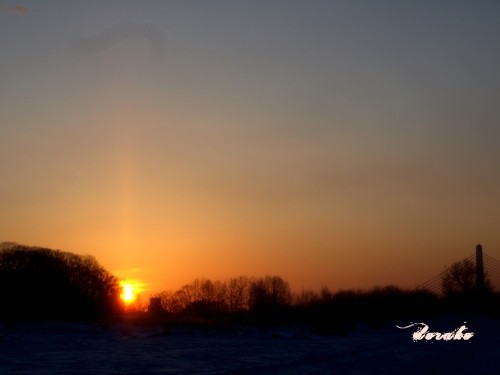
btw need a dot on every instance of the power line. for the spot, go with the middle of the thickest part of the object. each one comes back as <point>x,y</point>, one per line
<point>435,282</point>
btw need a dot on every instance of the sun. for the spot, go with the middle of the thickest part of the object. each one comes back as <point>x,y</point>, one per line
<point>128,294</point>
<point>129,291</point>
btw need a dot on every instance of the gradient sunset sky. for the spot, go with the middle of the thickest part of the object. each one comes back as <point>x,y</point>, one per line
<point>339,143</point>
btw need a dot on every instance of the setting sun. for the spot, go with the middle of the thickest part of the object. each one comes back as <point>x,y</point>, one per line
<point>129,291</point>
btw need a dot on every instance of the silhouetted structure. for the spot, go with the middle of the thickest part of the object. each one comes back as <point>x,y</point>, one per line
<point>477,272</point>
<point>155,307</point>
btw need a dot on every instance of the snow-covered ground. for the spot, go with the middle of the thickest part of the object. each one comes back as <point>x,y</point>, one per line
<point>63,348</point>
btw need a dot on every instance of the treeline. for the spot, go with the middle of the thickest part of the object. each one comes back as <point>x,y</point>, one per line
<point>44,284</point>
<point>269,300</point>
<point>236,295</point>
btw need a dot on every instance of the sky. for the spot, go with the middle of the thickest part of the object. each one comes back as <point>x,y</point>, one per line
<point>334,143</point>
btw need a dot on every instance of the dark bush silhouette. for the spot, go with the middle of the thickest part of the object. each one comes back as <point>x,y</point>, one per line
<point>43,284</point>
<point>337,313</point>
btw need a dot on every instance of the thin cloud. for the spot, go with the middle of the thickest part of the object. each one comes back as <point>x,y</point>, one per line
<point>124,30</point>
<point>13,8</point>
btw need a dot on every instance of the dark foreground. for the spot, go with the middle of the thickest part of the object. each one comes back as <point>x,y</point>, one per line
<point>68,348</point>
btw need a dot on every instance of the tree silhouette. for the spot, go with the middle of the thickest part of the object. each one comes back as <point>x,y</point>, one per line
<point>38,283</point>
<point>270,291</point>
<point>460,278</point>
<point>238,289</point>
